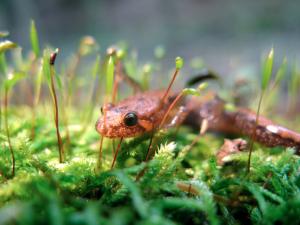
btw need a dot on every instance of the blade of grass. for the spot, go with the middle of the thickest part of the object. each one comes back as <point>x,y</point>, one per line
<point>267,70</point>
<point>272,99</point>
<point>34,39</point>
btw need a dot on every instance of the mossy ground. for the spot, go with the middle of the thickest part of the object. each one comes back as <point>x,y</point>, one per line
<point>45,191</point>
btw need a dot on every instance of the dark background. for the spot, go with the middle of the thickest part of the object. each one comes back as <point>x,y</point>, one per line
<point>226,34</point>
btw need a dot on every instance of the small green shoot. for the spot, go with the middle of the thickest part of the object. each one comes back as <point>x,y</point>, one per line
<point>266,76</point>
<point>267,70</point>
<point>120,54</point>
<point>178,65</point>
<point>190,91</point>
<point>34,39</point>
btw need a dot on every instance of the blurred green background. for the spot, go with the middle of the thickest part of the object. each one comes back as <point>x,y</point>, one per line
<point>226,34</point>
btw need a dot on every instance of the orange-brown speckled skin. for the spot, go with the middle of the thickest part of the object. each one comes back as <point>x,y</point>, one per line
<point>149,109</point>
<point>146,105</point>
<point>241,122</point>
<point>244,120</point>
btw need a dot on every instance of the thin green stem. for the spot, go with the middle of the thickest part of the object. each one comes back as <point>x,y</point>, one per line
<point>102,137</point>
<point>149,152</point>
<point>0,111</point>
<point>100,152</point>
<point>178,97</point>
<point>66,125</point>
<point>253,136</point>
<point>56,119</point>
<point>116,153</point>
<point>170,85</point>
<point>7,131</point>
<point>116,81</point>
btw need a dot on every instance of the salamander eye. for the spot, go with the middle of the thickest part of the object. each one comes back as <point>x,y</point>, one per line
<point>130,119</point>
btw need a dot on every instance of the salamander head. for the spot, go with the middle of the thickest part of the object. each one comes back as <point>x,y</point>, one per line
<point>130,117</point>
<point>121,122</point>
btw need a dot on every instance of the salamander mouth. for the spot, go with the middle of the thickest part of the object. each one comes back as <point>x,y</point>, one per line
<point>97,125</point>
<point>101,129</point>
<point>117,131</point>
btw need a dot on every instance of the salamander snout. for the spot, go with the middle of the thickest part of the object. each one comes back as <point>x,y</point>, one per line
<point>117,124</point>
